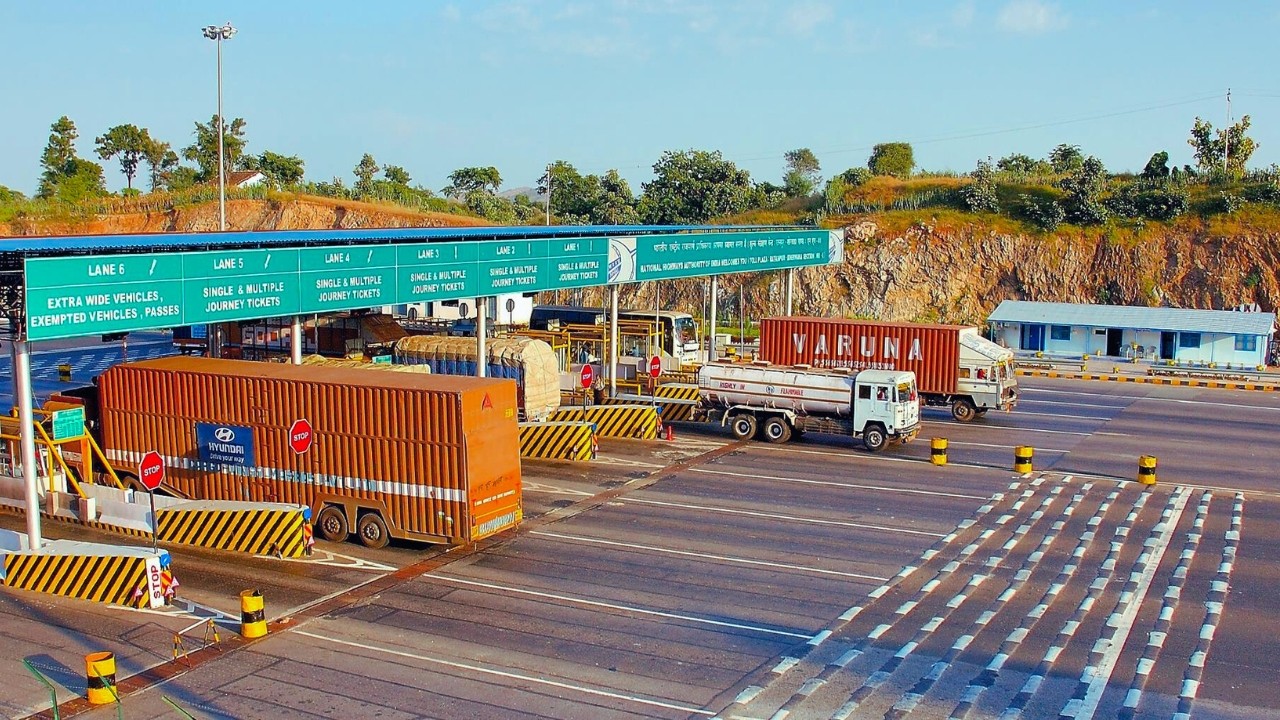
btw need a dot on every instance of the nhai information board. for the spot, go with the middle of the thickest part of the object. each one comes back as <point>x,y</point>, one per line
<point>87,295</point>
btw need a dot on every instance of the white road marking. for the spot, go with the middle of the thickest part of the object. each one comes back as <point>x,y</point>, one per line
<point>1006,447</point>
<point>1101,674</point>
<point>333,559</point>
<point>614,606</point>
<point>705,556</point>
<point>1102,406</point>
<point>551,489</point>
<point>521,677</point>
<point>1061,416</point>
<point>776,516</point>
<point>1149,398</point>
<point>858,486</point>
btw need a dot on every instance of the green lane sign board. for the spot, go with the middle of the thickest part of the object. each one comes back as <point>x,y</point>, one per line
<point>78,296</point>
<point>68,424</point>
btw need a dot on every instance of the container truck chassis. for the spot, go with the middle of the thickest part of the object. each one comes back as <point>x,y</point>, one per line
<point>747,422</point>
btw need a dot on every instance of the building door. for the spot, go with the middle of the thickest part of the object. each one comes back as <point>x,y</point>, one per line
<point>1033,337</point>
<point>1114,341</point>
<point>1168,343</point>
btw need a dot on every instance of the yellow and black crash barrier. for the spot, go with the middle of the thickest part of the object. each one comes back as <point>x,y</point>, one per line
<point>1147,470</point>
<point>563,440</point>
<point>271,531</point>
<point>1022,459</point>
<point>678,401</point>
<point>114,579</point>
<point>253,617</point>
<point>615,421</point>
<point>938,451</point>
<point>100,678</point>
<point>64,372</point>
<point>671,409</point>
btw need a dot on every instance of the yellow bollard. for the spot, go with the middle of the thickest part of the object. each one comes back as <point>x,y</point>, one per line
<point>1022,459</point>
<point>1147,470</point>
<point>253,623</point>
<point>100,677</point>
<point>938,451</point>
<point>64,372</point>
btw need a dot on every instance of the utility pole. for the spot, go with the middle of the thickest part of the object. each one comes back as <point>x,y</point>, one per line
<point>548,196</point>
<point>1226,135</point>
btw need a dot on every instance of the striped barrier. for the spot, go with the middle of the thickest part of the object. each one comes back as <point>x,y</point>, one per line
<point>277,532</point>
<point>615,421</point>
<point>564,440</point>
<point>1271,386</point>
<point>673,409</point>
<point>87,571</point>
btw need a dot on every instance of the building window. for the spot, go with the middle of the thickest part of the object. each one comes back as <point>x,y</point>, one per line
<point>1247,343</point>
<point>1060,332</point>
<point>1188,340</point>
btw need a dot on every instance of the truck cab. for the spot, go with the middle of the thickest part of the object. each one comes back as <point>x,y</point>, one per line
<point>986,379</point>
<point>885,401</point>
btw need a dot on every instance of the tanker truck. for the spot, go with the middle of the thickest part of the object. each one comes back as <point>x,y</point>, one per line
<point>955,366</point>
<point>777,403</point>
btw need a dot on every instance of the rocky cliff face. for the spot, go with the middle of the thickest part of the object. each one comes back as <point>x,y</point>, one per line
<point>286,213</point>
<point>960,274</point>
<point>894,269</point>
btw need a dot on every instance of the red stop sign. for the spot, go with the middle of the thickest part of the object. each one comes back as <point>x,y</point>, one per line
<point>300,436</point>
<point>655,366</point>
<point>587,376</point>
<point>151,470</point>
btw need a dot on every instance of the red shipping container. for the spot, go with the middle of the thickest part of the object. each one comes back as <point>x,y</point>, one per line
<point>433,458</point>
<point>932,352</point>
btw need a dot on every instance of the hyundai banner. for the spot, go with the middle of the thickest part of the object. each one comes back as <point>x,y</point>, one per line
<point>224,444</point>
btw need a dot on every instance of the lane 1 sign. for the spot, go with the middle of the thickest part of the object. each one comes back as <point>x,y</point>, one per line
<point>587,376</point>
<point>151,470</point>
<point>655,366</point>
<point>300,436</point>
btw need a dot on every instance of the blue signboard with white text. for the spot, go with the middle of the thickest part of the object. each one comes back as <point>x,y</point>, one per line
<point>224,444</point>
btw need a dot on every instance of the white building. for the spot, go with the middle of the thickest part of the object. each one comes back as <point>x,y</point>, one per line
<point>1217,336</point>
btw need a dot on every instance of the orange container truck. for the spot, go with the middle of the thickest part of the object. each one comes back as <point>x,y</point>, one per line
<point>382,455</point>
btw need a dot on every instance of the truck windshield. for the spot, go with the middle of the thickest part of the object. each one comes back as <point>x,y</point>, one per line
<point>686,331</point>
<point>906,392</point>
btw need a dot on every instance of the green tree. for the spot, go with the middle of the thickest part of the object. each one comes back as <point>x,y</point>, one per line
<point>10,195</point>
<point>364,173</point>
<point>896,159</point>
<point>58,156</point>
<point>694,186</point>
<point>1024,164</point>
<point>616,206</point>
<point>127,142</point>
<point>160,159</point>
<point>280,170</point>
<point>1083,204</point>
<point>1233,144</point>
<point>464,180</point>
<point>856,176</point>
<point>980,195</point>
<point>802,173</point>
<point>1066,158</point>
<point>395,174</point>
<point>1157,167</point>
<point>204,151</point>
<point>574,196</point>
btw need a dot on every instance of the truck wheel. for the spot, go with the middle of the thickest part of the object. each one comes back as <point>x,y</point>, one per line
<point>962,410</point>
<point>743,426</point>
<point>874,438</point>
<point>332,524</point>
<point>373,531</point>
<point>776,430</point>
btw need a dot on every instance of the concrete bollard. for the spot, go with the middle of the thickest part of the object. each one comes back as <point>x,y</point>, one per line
<point>1022,459</point>
<point>100,677</point>
<point>253,622</point>
<point>1147,470</point>
<point>938,451</point>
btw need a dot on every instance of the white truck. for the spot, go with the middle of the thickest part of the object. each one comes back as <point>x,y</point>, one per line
<point>778,402</point>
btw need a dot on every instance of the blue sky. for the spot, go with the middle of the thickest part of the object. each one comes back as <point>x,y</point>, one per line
<point>434,86</point>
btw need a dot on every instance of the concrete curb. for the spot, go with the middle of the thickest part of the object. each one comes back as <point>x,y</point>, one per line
<point>1143,379</point>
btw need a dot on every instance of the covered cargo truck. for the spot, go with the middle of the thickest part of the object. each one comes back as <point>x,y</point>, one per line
<point>531,363</point>
<point>954,365</point>
<point>390,455</point>
<point>777,402</point>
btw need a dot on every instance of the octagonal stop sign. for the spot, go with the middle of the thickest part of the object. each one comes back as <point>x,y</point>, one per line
<point>655,366</point>
<point>587,376</point>
<point>151,470</point>
<point>300,436</point>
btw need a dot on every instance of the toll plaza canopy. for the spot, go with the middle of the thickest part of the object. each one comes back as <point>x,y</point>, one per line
<point>72,286</point>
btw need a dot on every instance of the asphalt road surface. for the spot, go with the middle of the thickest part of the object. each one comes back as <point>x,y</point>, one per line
<point>704,578</point>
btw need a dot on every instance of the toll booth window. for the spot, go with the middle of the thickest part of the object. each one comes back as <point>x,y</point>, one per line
<point>864,392</point>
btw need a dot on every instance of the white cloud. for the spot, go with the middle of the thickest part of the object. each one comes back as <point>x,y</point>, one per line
<point>1029,17</point>
<point>803,18</point>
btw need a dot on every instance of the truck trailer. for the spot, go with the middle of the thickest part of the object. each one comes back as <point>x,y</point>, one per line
<point>390,455</point>
<point>776,402</point>
<point>955,366</point>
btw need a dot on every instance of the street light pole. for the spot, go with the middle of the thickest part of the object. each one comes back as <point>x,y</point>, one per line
<point>218,34</point>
